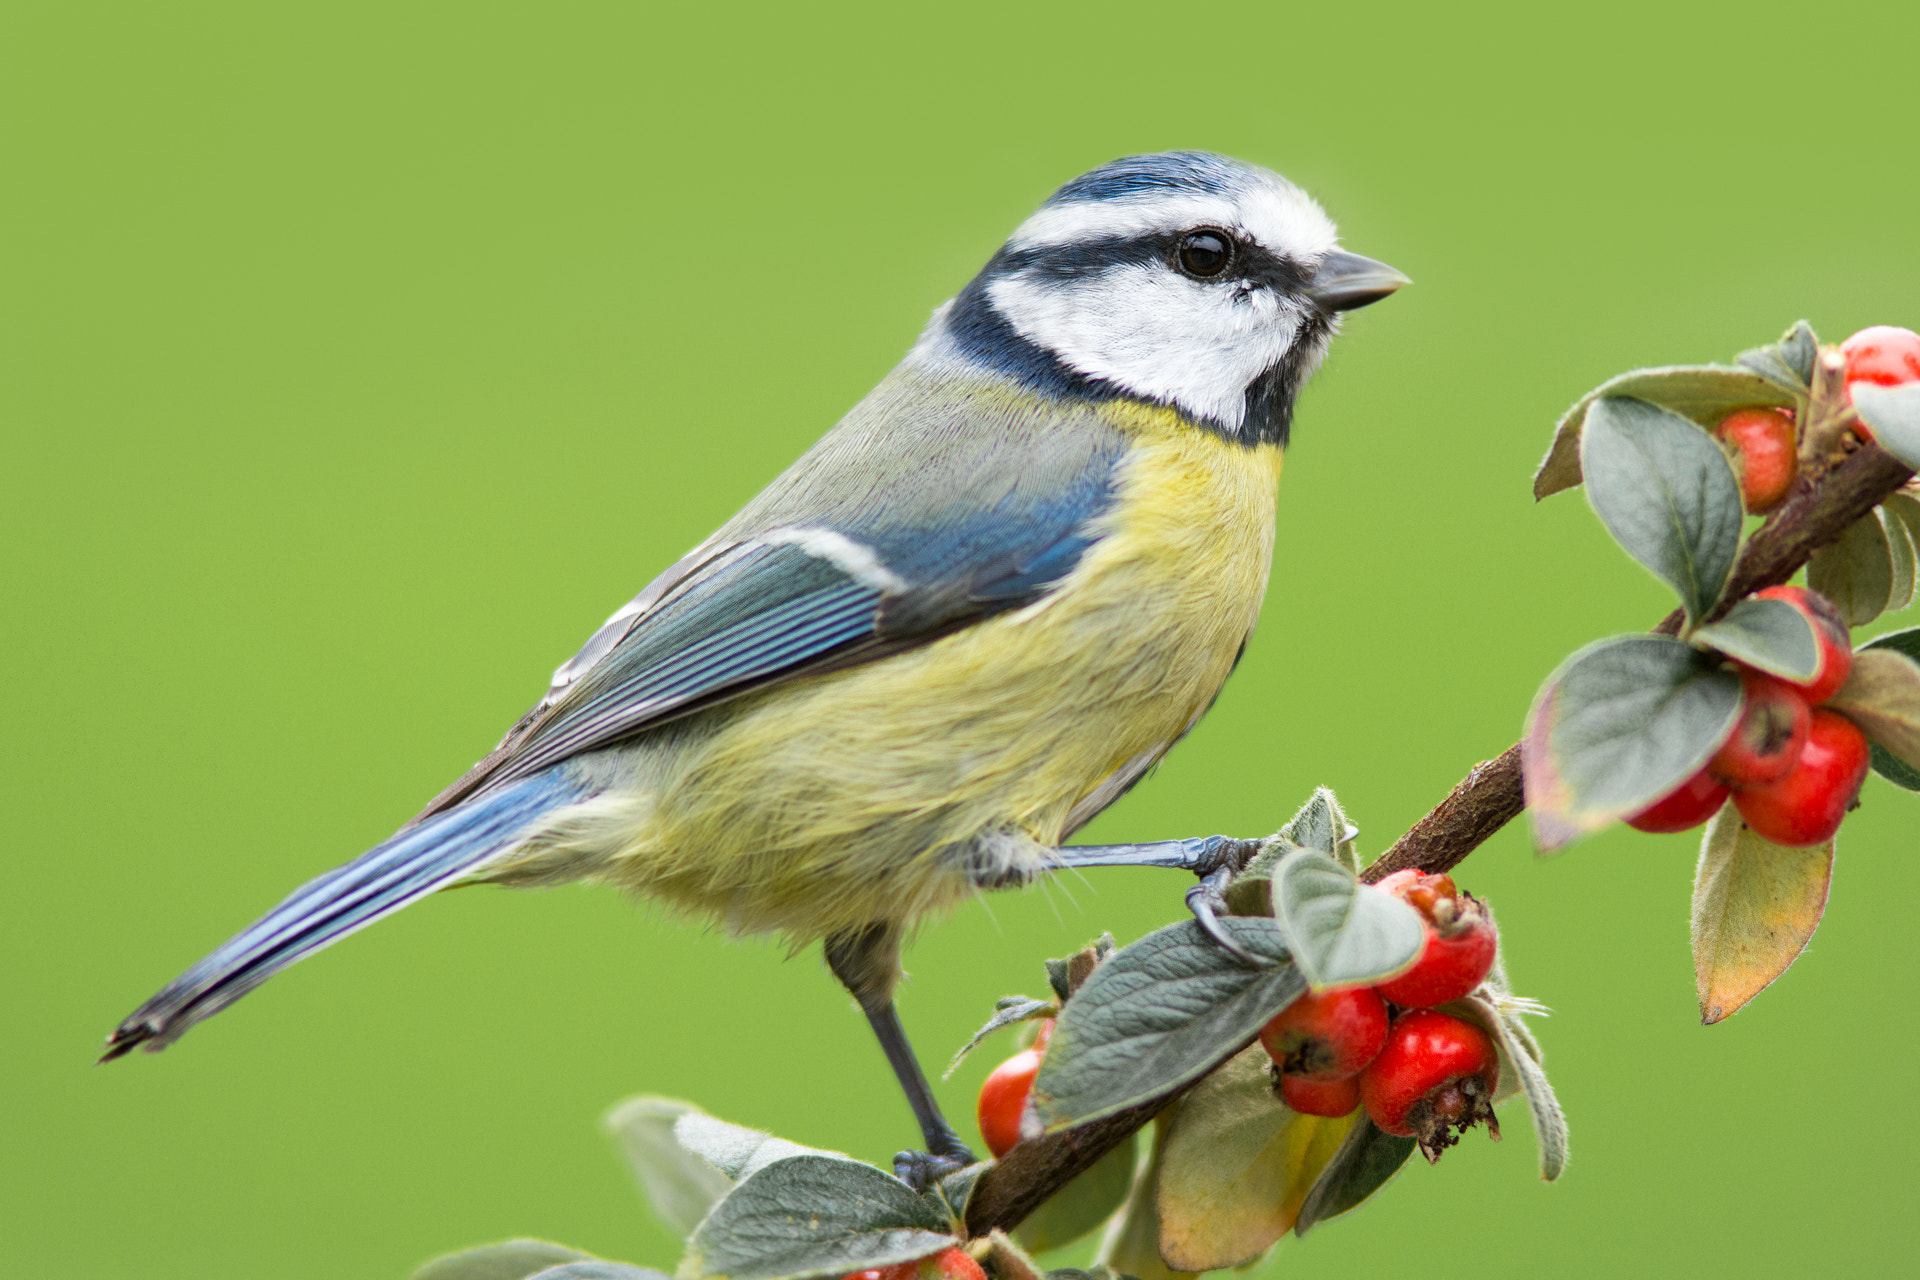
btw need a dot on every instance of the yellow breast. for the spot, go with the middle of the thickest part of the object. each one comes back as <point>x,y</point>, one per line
<point>829,802</point>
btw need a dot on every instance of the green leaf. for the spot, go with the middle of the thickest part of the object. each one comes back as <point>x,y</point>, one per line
<point>679,1185</point>
<point>1159,1014</point>
<point>1900,544</point>
<point>1769,634</point>
<point>510,1260</point>
<point>1250,893</point>
<point>1320,824</point>
<point>1755,905</point>
<point>1342,933</point>
<point>1367,1159</point>
<point>1857,572</point>
<point>1006,1260</point>
<point>1788,363</point>
<point>1082,1205</point>
<point>1903,509</point>
<point>1664,490</point>
<point>1894,415</point>
<point>813,1215</point>
<point>1520,1072</point>
<point>1882,696</point>
<point>1702,393</point>
<point>1237,1167</point>
<point>1007,1011</point>
<point>597,1270</point>
<point>735,1150</point>
<point>1621,724</point>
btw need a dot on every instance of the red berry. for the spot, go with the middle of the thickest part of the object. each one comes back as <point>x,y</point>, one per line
<point>1683,808</point>
<point>1765,454</point>
<point>948,1264</point>
<point>1327,1036</point>
<point>1003,1098</point>
<point>1435,1077</point>
<point>1458,952</point>
<point>1317,1098</point>
<point>1806,806</point>
<point>1884,355</point>
<point>1829,630</point>
<point>1769,736</point>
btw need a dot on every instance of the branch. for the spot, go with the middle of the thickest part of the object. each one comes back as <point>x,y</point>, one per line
<point>1816,514</point>
<point>1486,800</point>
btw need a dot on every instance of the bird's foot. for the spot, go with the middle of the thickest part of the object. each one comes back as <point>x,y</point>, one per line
<point>1208,902</point>
<point>922,1169</point>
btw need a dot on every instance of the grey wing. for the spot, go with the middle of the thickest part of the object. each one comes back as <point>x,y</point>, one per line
<point>874,542</point>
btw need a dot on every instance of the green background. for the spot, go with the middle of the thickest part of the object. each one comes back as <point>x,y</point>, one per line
<point>358,359</point>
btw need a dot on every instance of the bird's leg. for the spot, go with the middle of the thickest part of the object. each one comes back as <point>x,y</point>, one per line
<point>867,961</point>
<point>1215,859</point>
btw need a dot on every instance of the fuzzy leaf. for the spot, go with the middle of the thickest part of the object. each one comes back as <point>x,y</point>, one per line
<point>1755,905</point>
<point>1006,1260</point>
<point>1520,1072</point>
<point>1894,415</point>
<point>1769,634</point>
<point>1342,933</point>
<point>1702,393</point>
<point>1366,1161</point>
<point>1882,696</point>
<point>1857,572</point>
<point>1788,363</point>
<point>814,1215</point>
<point>1159,1014</point>
<point>1237,1167</point>
<point>1251,892</point>
<point>1902,508</point>
<point>679,1185</point>
<point>1664,490</point>
<point>598,1270</point>
<point>509,1260</point>
<point>1082,1205</point>
<point>1320,824</point>
<point>735,1150</point>
<point>1622,723</point>
<point>1007,1011</point>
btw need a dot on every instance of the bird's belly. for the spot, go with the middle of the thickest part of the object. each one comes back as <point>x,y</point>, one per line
<point>828,803</point>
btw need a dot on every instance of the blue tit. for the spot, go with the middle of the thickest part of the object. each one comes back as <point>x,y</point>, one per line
<point>967,620</point>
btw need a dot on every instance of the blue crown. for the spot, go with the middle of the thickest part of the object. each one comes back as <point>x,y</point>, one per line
<point>1200,172</point>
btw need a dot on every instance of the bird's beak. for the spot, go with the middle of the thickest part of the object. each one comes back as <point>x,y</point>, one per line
<point>1347,280</point>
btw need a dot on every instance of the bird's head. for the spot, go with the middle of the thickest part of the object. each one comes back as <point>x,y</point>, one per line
<point>1185,279</point>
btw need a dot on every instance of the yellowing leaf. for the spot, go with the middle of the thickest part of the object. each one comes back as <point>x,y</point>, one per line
<point>1755,905</point>
<point>1882,696</point>
<point>1237,1165</point>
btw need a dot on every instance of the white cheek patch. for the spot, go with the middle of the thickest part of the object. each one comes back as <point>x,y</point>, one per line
<point>1156,333</point>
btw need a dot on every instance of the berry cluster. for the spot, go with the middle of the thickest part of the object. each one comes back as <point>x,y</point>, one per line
<point>1419,1073</point>
<point>1792,766</point>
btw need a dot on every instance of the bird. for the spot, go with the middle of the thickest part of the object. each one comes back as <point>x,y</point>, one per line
<point>970,617</point>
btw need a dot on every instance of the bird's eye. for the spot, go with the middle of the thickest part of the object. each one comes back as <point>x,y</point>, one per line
<point>1205,253</point>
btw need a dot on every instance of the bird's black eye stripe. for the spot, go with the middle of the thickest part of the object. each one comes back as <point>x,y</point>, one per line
<point>1205,253</point>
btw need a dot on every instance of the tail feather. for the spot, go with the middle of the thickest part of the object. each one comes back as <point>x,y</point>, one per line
<point>379,882</point>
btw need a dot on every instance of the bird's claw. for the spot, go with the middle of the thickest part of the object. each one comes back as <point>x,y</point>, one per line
<point>922,1169</point>
<point>1208,902</point>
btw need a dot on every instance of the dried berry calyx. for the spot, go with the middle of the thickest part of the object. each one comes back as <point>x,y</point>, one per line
<point>1434,1079</point>
<point>1460,946</point>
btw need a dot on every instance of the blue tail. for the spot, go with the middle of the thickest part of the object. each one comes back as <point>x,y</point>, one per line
<point>379,882</point>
